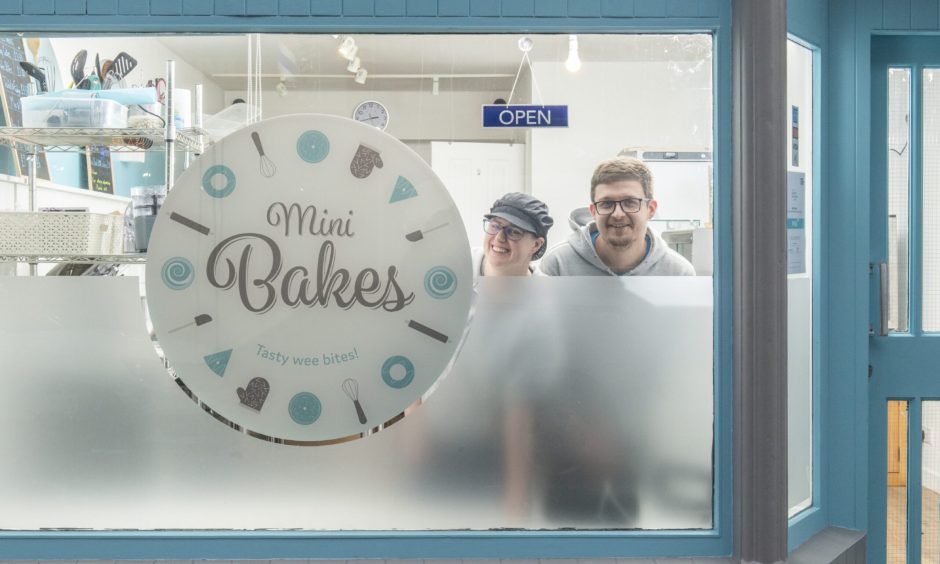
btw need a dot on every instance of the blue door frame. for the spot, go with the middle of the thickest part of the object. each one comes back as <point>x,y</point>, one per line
<point>421,16</point>
<point>903,365</point>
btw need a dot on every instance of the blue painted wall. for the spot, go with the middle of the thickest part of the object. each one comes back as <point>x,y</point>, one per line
<point>439,16</point>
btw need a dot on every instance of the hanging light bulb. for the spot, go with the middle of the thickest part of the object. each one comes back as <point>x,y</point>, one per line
<point>573,63</point>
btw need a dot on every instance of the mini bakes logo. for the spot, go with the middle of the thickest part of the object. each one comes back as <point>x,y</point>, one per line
<point>232,259</point>
<point>305,279</point>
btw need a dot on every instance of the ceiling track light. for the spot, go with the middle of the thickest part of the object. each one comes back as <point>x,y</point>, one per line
<point>573,62</point>
<point>361,75</point>
<point>353,65</point>
<point>435,86</point>
<point>348,48</point>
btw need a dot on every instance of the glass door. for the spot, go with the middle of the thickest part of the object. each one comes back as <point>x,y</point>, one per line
<point>904,341</point>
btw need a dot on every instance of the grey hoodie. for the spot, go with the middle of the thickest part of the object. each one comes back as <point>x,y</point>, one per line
<point>577,257</point>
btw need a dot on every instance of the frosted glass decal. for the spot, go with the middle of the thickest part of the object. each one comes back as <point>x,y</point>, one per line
<point>283,280</point>
<point>594,413</point>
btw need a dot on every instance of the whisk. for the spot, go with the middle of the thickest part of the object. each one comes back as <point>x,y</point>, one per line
<point>268,168</point>
<point>351,387</point>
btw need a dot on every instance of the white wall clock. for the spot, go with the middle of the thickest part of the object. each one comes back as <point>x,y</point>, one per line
<point>372,113</point>
<point>309,278</point>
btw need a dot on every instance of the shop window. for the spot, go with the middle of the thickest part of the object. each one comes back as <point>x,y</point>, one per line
<point>576,402</point>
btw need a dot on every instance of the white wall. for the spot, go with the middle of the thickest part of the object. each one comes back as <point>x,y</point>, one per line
<point>413,115</point>
<point>612,106</point>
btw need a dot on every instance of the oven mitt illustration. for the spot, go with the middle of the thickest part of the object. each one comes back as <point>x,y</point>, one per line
<point>365,161</point>
<point>254,395</point>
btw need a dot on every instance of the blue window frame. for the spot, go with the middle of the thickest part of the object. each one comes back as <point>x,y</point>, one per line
<point>399,16</point>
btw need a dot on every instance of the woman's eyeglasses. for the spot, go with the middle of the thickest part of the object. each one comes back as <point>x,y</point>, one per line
<point>512,233</point>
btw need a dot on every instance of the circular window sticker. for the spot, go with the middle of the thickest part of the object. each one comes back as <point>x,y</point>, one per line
<point>320,298</point>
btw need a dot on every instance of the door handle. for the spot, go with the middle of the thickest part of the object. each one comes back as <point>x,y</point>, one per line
<point>883,297</point>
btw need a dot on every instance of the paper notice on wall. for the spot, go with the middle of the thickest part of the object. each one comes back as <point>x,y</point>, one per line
<point>796,222</point>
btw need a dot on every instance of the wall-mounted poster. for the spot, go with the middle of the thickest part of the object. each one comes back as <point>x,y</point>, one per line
<point>796,222</point>
<point>309,278</point>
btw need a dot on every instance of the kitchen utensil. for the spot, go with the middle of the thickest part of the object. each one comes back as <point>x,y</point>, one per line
<point>121,65</point>
<point>351,388</point>
<point>77,70</point>
<point>35,72</point>
<point>268,168</point>
<point>199,320</point>
<point>419,234</point>
<point>98,66</point>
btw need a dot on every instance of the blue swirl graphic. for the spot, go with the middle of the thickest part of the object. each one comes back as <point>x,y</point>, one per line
<point>440,282</point>
<point>398,360</point>
<point>178,273</point>
<point>304,408</point>
<point>229,181</point>
<point>313,146</point>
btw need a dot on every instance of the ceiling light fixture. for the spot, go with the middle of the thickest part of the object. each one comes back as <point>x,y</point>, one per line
<point>353,65</point>
<point>361,75</point>
<point>435,86</point>
<point>348,48</point>
<point>573,63</point>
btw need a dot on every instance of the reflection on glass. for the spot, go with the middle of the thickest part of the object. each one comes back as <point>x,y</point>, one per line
<point>930,186</point>
<point>897,482</point>
<point>899,137</point>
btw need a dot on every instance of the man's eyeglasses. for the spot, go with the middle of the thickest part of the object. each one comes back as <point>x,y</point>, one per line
<point>512,233</point>
<point>628,205</point>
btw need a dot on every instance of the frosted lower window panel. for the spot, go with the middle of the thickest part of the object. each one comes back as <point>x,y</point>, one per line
<point>576,402</point>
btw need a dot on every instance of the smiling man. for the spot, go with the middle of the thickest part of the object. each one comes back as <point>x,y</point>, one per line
<point>618,241</point>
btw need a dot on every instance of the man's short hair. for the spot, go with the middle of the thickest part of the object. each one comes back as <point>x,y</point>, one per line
<point>623,168</point>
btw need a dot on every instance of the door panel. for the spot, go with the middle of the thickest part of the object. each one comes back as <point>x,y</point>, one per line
<point>905,285</point>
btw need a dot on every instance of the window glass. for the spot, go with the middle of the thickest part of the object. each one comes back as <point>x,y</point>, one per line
<point>576,401</point>
<point>800,277</point>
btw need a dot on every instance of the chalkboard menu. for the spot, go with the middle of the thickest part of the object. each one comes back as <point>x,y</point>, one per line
<point>100,178</point>
<point>14,85</point>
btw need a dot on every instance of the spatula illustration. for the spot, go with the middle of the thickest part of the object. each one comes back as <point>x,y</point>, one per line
<point>419,234</point>
<point>200,319</point>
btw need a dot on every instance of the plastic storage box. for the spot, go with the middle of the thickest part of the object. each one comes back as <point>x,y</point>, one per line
<point>52,111</point>
<point>61,233</point>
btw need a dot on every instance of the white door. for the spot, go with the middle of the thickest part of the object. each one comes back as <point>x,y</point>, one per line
<point>476,174</point>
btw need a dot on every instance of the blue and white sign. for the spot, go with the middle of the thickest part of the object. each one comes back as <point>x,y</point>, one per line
<point>524,115</point>
<point>796,222</point>
<point>314,300</point>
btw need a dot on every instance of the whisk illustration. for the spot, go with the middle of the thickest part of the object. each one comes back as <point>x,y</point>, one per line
<point>268,168</point>
<point>351,387</point>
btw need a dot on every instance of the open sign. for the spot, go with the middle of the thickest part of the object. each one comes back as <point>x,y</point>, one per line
<point>524,115</point>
